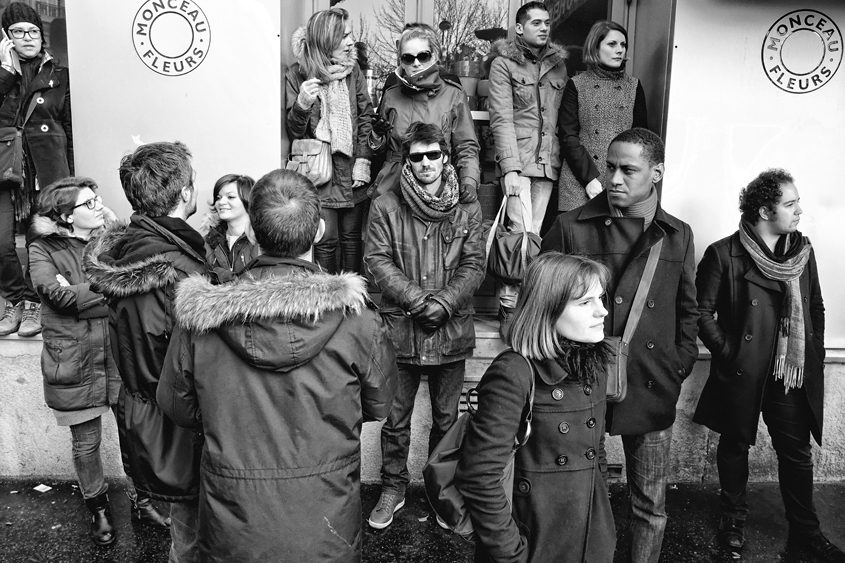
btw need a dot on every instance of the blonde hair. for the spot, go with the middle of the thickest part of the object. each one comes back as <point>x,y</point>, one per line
<point>551,282</point>
<point>323,34</point>
<point>420,31</point>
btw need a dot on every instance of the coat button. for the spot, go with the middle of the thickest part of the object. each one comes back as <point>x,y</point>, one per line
<point>588,389</point>
<point>425,237</point>
<point>617,300</point>
<point>44,128</point>
<point>543,108</point>
<point>39,100</point>
<point>608,222</point>
<point>596,86</point>
<point>562,459</point>
<point>557,394</point>
<point>524,487</point>
<point>563,427</point>
<point>597,106</point>
<point>597,131</point>
<point>748,337</point>
<point>739,372</point>
<point>754,302</point>
<point>425,277</point>
<point>649,384</point>
<point>595,157</point>
<point>650,345</point>
<point>591,422</point>
<point>682,372</point>
<point>650,304</point>
<point>407,313</point>
<point>542,133</point>
<point>805,299</point>
<point>590,454</point>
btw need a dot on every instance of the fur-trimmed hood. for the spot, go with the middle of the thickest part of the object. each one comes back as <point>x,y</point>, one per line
<point>277,319</point>
<point>43,226</point>
<point>555,53</point>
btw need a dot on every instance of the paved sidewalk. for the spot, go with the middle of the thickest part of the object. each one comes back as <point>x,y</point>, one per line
<point>53,526</point>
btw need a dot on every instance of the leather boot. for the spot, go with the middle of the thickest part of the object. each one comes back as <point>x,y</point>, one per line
<point>144,512</point>
<point>102,528</point>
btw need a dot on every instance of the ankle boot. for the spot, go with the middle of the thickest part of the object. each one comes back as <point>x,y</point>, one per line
<point>143,511</point>
<point>102,528</point>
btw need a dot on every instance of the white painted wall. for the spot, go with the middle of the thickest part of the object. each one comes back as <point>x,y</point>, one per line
<point>727,122</point>
<point>227,110</point>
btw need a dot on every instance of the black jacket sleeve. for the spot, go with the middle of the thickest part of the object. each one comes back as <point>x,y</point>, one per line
<point>640,109</point>
<point>569,131</point>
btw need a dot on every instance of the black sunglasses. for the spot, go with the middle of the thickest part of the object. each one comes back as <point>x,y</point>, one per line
<point>430,155</point>
<point>422,56</point>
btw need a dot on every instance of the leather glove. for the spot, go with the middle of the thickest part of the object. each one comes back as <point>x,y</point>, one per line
<point>377,140</point>
<point>433,316</point>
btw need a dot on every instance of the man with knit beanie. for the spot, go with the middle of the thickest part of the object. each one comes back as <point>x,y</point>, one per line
<point>424,250</point>
<point>762,318</point>
<point>618,228</point>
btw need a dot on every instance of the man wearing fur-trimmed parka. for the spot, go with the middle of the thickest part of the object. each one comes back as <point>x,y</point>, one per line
<point>136,267</point>
<point>527,79</point>
<point>279,369</point>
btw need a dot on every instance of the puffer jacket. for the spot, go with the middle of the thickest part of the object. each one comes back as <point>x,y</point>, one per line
<point>279,368</point>
<point>524,99</point>
<point>137,267</point>
<point>409,259</point>
<point>76,361</point>
<point>446,105</point>
<point>219,256</point>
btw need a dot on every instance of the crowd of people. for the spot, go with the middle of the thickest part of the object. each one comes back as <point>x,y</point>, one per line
<point>241,365</point>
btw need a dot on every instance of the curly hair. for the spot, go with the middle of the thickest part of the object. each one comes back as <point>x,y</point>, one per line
<point>762,191</point>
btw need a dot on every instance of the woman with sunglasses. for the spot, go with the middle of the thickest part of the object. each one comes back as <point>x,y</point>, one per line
<point>81,382</point>
<point>327,99</point>
<point>560,510</point>
<point>422,92</point>
<point>34,95</point>
<point>230,242</point>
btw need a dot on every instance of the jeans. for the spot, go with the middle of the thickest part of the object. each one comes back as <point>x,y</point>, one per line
<point>15,285</point>
<point>445,383</point>
<point>787,417</point>
<point>184,532</point>
<point>535,198</point>
<point>86,437</point>
<point>647,459</point>
<point>343,226</point>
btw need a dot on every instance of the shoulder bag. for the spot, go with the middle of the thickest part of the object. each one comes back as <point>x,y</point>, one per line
<point>11,147</point>
<point>509,252</point>
<point>313,159</point>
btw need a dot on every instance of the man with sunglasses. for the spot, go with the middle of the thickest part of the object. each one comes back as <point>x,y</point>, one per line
<point>424,250</point>
<point>526,85</point>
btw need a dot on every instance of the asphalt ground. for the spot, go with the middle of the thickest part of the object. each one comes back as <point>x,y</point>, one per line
<point>53,526</point>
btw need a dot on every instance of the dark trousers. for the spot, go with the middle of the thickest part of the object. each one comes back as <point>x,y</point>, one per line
<point>787,417</point>
<point>445,383</point>
<point>343,227</point>
<point>15,286</point>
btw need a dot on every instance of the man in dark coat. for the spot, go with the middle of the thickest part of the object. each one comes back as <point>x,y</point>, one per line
<point>136,267</point>
<point>762,318</point>
<point>618,228</point>
<point>279,369</point>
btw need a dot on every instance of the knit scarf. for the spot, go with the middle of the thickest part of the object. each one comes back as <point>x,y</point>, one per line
<point>645,209</point>
<point>429,79</point>
<point>335,125</point>
<point>787,268</point>
<point>582,361</point>
<point>424,205</point>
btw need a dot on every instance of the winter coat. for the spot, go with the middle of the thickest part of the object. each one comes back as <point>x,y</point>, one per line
<point>524,100</point>
<point>302,124</point>
<point>219,256</point>
<point>48,134</point>
<point>292,359</point>
<point>740,313</point>
<point>663,350</point>
<point>446,104</point>
<point>76,361</point>
<point>137,267</point>
<point>409,259</point>
<point>561,509</point>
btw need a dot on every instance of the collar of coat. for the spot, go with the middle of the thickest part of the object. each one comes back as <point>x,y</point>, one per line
<point>598,207</point>
<point>43,226</point>
<point>554,55</point>
<point>284,292</point>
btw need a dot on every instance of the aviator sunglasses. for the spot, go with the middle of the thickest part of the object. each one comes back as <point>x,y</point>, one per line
<point>422,56</point>
<point>430,155</point>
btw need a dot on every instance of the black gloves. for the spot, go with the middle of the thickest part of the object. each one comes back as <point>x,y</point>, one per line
<point>433,316</point>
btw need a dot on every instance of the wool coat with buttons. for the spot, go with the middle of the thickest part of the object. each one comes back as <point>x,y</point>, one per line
<point>561,510</point>
<point>740,313</point>
<point>663,350</point>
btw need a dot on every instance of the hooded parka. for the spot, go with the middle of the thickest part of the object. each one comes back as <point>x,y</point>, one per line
<point>280,368</point>
<point>137,267</point>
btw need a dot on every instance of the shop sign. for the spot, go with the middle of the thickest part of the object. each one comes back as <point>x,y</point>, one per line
<point>171,37</point>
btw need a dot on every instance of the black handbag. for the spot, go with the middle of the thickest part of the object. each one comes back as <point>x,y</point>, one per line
<point>509,252</point>
<point>617,365</point>
<point>439,471</point>
<point>11,147</point>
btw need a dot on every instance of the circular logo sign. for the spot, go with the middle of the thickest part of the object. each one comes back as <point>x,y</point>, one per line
<point>171,37</point>
<point>802,51</point>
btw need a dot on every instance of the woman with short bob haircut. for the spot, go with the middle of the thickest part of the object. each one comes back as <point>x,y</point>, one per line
<point>230,241</point>
<point>560,510</point>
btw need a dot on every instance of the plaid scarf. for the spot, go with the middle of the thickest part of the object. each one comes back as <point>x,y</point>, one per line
<point>335,125</point>
<point>789,353</point>
<point>424,205</point>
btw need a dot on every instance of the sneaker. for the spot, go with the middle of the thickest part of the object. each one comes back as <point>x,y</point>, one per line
<point>11,319</point>
<point>819,546</point>
<point>31,319</point>
<point>732,533</point>
<point>505,315</point>
<point>388,503</point>
<point>441,522</point>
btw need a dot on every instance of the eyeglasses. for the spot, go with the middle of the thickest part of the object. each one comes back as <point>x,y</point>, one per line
<point>90,203</point>
<point>422,56</point>
<point>430,155</point>
<point>33,33</point>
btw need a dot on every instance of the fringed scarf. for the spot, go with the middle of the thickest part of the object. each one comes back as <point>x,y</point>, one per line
<point>335,125</point>
<point>582,361</point>
<point>424,205</point>
<point>787,268</point>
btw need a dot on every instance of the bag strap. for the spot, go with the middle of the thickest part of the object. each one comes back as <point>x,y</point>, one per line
<point>642,292</point>
<point>491,236</point>
<point>525,426</point>
<point>32,103</point>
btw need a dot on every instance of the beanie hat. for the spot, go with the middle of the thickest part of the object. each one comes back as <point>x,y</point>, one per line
<point>19,12</point>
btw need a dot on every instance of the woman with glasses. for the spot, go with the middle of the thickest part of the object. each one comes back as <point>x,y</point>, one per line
<point>422,92</point>
<point>34,95</point>
<point>81,382</point>
<point>230,242</point>
<point>327,99</point>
